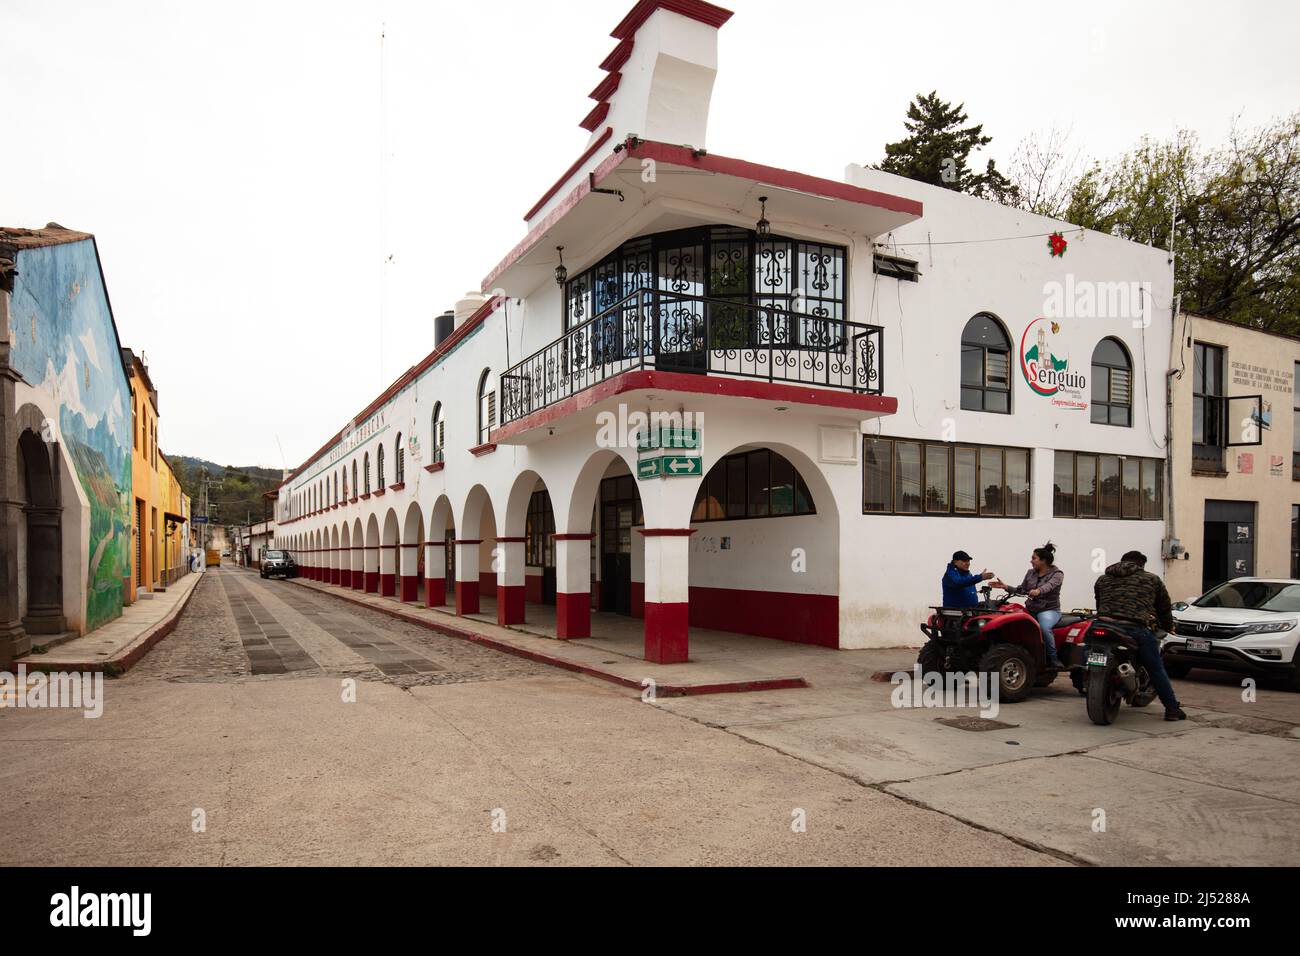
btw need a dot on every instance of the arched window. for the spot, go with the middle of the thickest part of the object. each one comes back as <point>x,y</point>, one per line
<point>1112,384</point>
<point>437,433</point>
<point>354,478</point>
<point>379,467</point>
<point>985,366</point>
<point>345,483</point>
<point>752,484</point>
<point>399,461</point>
<point>487,407</point>
<point>366,468</point>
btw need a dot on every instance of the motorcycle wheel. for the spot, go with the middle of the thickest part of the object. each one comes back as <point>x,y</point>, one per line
<point>1103,695</point>
<point>931,658</point>
<point>1014,669</point>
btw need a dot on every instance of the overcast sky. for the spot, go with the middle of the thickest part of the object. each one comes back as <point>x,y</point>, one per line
<point>228,155</point>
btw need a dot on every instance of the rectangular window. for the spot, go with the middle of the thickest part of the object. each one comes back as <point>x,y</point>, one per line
<point>992,486</point>
<point>1132,478</point>
<point>1208,409</point>
<point>1107,486</point>
<point>906,477</point>
<point>937,499</point>
<point>878,466</point>
<point>760,495</point>
<point>1017,471</point>
<point>1063,491</point>
<point>965,480</point>
<point>1085,485</point>
<point>1295,424</point>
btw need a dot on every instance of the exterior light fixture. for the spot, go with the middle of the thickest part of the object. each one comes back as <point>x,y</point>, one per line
<point>561,273</point>
<point>763,228</point>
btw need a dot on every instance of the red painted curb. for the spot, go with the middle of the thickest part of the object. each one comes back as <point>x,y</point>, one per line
<point>661,690</point>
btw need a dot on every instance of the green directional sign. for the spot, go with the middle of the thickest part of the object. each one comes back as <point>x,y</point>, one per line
<point>669,438</point>
<point>670,466</point>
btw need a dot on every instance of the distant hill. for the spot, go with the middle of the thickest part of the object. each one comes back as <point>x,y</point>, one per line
<point>234,492</point>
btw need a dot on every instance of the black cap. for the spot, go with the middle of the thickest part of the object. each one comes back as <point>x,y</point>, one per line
<point>960,556</point>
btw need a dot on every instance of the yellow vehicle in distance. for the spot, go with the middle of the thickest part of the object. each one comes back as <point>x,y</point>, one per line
<point>214,558</point>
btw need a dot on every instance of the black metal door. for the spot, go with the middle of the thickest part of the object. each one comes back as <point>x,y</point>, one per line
<point>679,311</point>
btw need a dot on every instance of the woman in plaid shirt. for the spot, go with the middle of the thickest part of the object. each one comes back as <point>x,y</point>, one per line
<point>1042,585</point>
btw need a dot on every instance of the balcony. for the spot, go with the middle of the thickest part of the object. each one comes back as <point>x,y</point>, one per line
<point>674,332</point>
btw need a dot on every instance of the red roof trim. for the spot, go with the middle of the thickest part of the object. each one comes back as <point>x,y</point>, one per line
<point>605,89</point>
<point>637,379</point>
<point>617,57</point>
<point>684,156</point>
<point>771,176</point>
<point>695,9</point>
<point>595,117</point>
<point>407,377</point>
<point>591,151</point>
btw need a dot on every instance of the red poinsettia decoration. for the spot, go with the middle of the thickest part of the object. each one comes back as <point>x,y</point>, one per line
<point>1056,242</point>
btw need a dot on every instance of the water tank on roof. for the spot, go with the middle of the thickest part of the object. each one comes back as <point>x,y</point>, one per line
<point>470,303</point>
<point>442,326</point>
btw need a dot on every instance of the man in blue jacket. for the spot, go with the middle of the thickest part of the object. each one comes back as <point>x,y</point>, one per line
<point>959,583</point>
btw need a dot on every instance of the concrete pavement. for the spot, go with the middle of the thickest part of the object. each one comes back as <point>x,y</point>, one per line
<point>277,725</point>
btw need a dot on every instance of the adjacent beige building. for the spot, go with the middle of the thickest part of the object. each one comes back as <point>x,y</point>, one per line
<point>1235,455</point>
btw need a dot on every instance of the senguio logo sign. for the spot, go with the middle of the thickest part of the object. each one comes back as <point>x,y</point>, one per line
<point>1046,371</point>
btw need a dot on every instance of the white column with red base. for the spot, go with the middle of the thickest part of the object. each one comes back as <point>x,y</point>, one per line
<point>667,594</point>
<point>572,586</point>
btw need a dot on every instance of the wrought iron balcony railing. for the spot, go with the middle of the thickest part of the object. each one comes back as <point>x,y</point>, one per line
<point>686,333</point>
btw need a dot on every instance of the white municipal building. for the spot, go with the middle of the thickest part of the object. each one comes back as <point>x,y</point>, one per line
<point>867,375</point>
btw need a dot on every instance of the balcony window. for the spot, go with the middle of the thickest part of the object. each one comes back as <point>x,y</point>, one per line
<point>806,279</point>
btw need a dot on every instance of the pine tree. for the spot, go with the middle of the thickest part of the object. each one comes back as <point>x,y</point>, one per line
<point>938,147</point>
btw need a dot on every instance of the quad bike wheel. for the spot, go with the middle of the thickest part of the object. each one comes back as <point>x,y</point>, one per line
<point>1014,668</point>
<point>931,658</point>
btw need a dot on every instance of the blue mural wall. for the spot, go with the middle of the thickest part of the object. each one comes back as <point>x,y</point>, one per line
<point>64,344</point>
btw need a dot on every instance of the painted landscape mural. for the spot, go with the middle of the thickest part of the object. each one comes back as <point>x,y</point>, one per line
<point>64,344</point>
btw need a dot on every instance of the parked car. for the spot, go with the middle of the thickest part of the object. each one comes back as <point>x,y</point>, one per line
<point>279,564</point>
<point>1249,625</point>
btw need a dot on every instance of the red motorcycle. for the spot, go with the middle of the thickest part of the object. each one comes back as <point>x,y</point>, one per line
<point>1000,637</point>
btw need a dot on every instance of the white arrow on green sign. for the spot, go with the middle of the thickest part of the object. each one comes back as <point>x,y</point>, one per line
<point>670,465</point>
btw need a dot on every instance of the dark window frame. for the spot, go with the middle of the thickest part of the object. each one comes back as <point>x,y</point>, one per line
<point>1146,467</point>
<point>1110,404</point>
<point>1208,456</point>
<point>639,263</point>
<point>954,451</point>
<point>984,388</point>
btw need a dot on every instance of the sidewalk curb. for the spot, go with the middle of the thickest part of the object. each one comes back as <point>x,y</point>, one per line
<point>129,656</point>
<point>661,690</point>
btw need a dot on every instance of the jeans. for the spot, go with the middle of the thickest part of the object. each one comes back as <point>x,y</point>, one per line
<point>1046,621</point>
<point>1149,655</point>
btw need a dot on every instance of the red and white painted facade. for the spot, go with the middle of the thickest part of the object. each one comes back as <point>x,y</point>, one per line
<point>837,577</point>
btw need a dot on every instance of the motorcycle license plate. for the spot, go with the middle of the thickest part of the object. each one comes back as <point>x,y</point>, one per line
<point>1097,659</point>
<point>1197,644</point>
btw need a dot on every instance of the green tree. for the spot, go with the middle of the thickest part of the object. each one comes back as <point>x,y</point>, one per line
<point>937,150</point>
<point>1237,240</point>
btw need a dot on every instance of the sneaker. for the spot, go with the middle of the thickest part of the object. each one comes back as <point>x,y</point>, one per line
<point>1175,713</point>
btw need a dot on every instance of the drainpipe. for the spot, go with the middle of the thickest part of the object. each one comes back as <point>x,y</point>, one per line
<point>1171,541</point>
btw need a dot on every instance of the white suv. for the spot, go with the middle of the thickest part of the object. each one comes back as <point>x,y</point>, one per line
<point>1247,624</point>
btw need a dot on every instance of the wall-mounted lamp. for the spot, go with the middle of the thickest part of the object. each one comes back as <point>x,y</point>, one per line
<point>561,273</point>
<point>763,228</point>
